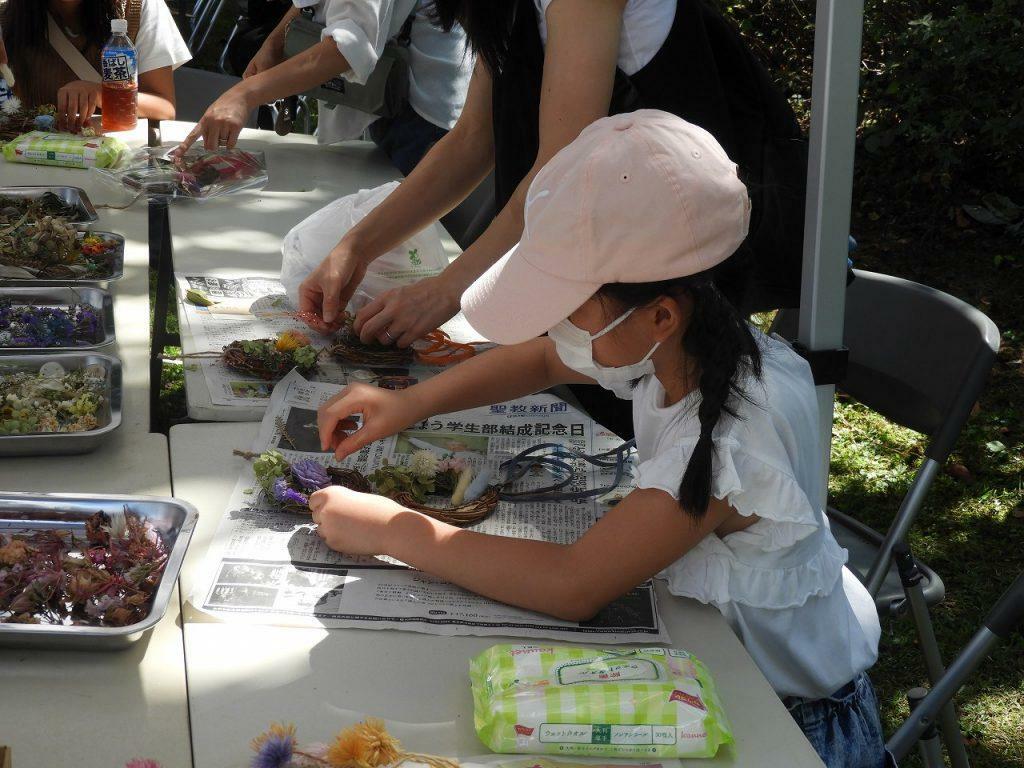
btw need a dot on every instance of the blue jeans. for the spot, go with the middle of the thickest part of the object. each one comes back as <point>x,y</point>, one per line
<point>405,138</point>
<point>845,728</point>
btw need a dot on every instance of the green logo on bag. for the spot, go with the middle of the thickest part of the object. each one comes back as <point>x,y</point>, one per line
<point>602,734</point>
<point>414,258</point>
<point>51,155</point>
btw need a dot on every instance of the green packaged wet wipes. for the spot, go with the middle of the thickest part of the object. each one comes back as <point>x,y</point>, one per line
<point>602,702</point>
<point>64,149</point>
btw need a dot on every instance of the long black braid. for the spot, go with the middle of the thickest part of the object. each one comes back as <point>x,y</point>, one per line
<point>720,346</point>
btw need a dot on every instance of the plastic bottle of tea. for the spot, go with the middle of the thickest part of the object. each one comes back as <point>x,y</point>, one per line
<point>120,79</point>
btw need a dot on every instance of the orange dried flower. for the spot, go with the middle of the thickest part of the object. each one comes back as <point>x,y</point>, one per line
<point>365,745</point>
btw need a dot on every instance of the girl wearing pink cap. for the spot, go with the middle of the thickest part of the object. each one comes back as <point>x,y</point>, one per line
<point>624,234</point>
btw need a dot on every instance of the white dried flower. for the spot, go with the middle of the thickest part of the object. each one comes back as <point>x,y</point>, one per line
<point>423,464</point>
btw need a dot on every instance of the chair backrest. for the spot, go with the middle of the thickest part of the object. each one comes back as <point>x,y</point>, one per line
<point>918,356</point>
<point>197,89</point>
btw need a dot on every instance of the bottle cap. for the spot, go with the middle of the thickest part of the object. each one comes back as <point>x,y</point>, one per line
<point>119,26</point>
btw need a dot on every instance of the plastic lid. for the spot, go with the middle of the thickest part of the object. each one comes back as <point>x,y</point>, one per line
<point>119,26</point>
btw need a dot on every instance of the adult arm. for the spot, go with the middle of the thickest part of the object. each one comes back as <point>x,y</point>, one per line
<point>271,53</point>
<point>452,169</point>
<point>579,73</point>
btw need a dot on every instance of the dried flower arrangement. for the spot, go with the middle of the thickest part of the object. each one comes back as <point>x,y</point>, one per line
<point>37,243</point>
<point>24,325</point>
<point>364,745</point>
<point>435,348</point>
<point>106,579</point>
<point>51,400</point>
<point>289,484</point>
<point>271,359</point>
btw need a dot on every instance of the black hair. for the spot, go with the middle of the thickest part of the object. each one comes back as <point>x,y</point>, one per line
<point>488,26</point>
<point>720,349</point>
<point>25,33</point>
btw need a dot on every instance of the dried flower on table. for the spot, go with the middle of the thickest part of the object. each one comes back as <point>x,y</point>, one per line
<point>270,359</point>
<point>364,745</point>
<point>101,579</point>
<point>24,325</point>
<point>38,241</point>
<point>51,400</point>
<point>289,484</point>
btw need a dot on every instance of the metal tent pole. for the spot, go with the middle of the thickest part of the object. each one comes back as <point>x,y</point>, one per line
<point>834,97</point>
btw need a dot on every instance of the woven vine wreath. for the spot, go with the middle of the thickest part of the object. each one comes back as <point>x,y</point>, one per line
<point>435,348</point>
<point>289,485</point>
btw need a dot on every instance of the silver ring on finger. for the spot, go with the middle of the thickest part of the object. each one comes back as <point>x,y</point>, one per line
<point>387,332</point>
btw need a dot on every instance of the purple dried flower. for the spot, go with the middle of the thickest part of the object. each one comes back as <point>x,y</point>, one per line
<point>287,495</point>
<point>310,476</point>
<point>275,751</point>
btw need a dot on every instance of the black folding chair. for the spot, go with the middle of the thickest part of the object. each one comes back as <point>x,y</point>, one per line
<point>920,358</point>
<point>927,706</point>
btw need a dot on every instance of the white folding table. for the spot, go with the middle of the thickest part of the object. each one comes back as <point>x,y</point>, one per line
<point>243,677</point>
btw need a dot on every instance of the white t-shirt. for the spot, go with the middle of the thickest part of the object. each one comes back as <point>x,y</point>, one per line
<point>439,65</point>
<point>645,27</point>
<point>782,585</point>
<point>158,41</point>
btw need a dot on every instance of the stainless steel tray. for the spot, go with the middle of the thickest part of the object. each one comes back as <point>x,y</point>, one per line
<point>71,195</point>
<point>56,296</point>
<point>117,274</point>
<point>67,443</point>
<point>174,520</point>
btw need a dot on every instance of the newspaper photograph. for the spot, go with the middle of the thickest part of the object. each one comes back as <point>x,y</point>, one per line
<point>249,307</point>
<point>268,566</point>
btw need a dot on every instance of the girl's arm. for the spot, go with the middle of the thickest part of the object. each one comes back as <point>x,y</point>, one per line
<point>579,72</point>
<point>156,94</point>
<point>495,376</point>
<point>443,178</point>
<point>636,539</point>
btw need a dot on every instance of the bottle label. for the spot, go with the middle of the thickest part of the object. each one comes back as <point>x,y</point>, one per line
<point>119,66</point>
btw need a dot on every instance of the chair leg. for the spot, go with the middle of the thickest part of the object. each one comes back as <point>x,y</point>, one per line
<point>901,524</point>
<point>929,745</point>
<point>911,577</point>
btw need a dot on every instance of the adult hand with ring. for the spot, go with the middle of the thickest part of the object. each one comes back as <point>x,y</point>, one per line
<point>408,313</point>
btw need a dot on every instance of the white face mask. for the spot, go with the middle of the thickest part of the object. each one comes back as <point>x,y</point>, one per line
<point>574,347</point>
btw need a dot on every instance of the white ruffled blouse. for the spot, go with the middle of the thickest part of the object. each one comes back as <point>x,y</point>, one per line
<point>782,584</point>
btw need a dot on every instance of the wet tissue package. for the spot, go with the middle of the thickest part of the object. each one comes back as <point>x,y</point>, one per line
<point>600,702</point>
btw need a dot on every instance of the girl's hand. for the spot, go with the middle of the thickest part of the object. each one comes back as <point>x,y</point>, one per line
<point>403,315</point>
<point>221,123</point>
<point>384,411</point>
<point>270,54</point>
<point>352,522</point>
<point>76,104</point>
<point>327,290</point>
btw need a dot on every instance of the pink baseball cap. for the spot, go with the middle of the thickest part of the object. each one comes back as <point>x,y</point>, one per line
<point>636,198</point>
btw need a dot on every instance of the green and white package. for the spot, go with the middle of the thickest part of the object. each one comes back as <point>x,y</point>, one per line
<point>602,702</point>
<point>67,150</point>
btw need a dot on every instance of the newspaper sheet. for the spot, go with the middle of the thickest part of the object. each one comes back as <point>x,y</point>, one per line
<point>267,566</point>
<point>257,308</point>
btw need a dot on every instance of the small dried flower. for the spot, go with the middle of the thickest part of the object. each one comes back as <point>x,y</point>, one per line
<point>366,745</point>
<point>274,749</point>
<point>14,552</point>
<point>291,340</point>
<point>285,494</point>
<point>423,464</point>
<point>310,476</point>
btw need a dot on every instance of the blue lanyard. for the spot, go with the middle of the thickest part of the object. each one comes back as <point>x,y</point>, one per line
<point>557,458</point>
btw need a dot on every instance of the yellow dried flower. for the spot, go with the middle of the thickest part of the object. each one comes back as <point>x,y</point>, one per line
<point>277,730</point>
<point>365,745</point>
<point>288,341</point>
